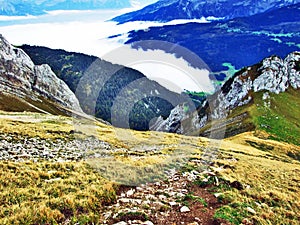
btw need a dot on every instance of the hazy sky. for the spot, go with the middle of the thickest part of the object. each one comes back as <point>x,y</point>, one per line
<point>142,2</point>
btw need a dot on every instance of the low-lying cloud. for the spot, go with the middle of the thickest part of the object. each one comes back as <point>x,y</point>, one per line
<point>87,32</point>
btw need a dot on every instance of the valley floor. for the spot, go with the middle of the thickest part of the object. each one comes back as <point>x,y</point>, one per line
<point>57,170</point>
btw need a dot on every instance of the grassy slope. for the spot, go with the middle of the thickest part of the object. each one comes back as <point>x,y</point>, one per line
<point>15,104</point>
<point>262,165</point>
<point>280,119</point>
<point>271,181</point>
<point>31,195</point>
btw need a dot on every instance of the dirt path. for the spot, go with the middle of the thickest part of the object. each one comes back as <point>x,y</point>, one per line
<point>183,198</point>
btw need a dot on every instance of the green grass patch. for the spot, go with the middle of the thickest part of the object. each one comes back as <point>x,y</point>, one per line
<point>234,213</point>
<point>190,197</point>
<point>281,120</point>
<point>278,115</point>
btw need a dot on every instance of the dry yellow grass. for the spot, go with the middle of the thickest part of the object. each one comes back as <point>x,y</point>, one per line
<point>35,125</point>
<point>41,193</point>
<point>29,194</point>
<point>270,177</point>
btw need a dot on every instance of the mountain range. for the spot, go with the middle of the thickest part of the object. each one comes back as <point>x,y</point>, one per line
<point>60,82</point>
<point>268,38</point>
<point>114,93</point>
<point>73,169</point>
<point>229,45</point>
<point>255,113</point>
<point>34,7</point>
<point>167,10</point>
<point>56,172</point>
<point>255,98</point>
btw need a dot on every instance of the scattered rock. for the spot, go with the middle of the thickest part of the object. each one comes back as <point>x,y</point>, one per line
<point>53,180</point>
<point>162,197</point>
<point>121,223</point>
<point>172,203</point>
<point>217,181</point>
<point>197,219</point>
<point>19,149</point>
<point>130,193</point>
<point>147,198</point>
<point>184,209</point>
<point>258,205</point>
<point>139,189</point>
<point>217,195</point>
<point>250,210</point>
<point>246,222</point>
<point>147,223</point>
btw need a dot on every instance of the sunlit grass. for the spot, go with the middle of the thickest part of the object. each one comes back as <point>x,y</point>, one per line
<point>281,118</point>
<point>35,125</point>
<point>51,193</point>
<point>271,185</point>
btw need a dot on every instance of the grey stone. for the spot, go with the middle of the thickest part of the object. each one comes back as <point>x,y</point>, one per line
<point>147,223</point>
<point>120,223</point>
<point>250,210</point>
<point>184,209</point>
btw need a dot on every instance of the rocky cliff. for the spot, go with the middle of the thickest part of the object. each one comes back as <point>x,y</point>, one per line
<point>272,75</point>
<point>33,85</point>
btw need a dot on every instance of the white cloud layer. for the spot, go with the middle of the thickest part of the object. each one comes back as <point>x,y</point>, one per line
<point>87,32</point>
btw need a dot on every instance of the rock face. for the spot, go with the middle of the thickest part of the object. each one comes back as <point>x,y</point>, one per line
<point>277,74</point>
<point>172,123</point>
<point>19,77</point>
<point>273,74</point>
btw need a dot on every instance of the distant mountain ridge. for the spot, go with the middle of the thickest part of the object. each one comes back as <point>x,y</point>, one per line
<point>32,7</point>
<point>167,10</point>
<point>237,42</point>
